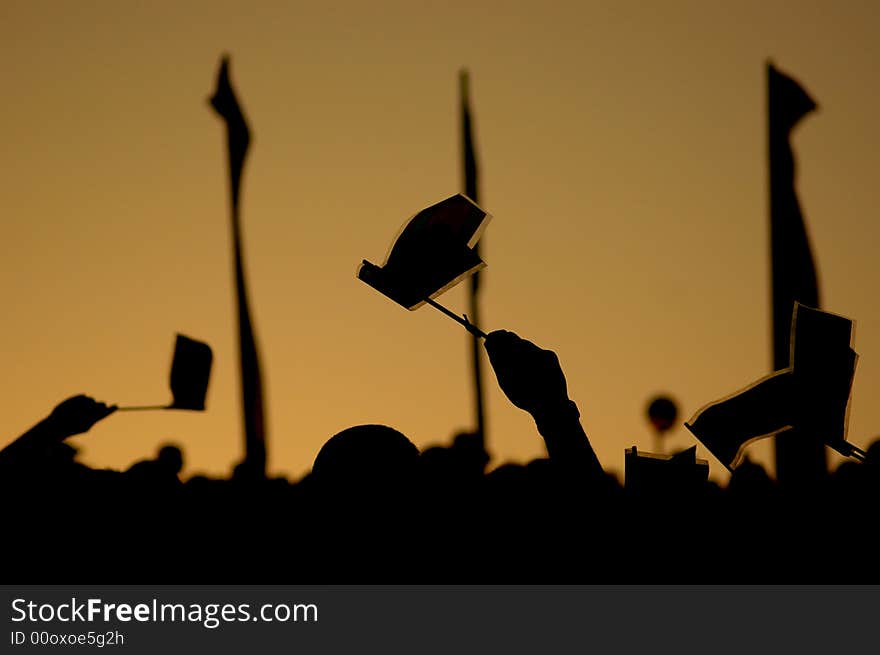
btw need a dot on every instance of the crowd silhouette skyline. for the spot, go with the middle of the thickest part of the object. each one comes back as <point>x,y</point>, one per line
<point>374,508</point>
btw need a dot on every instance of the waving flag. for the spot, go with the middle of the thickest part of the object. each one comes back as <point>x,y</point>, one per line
<point>809,397</point>
<point>190,374</point>
<point>435,250</point>
<point>226,105</point>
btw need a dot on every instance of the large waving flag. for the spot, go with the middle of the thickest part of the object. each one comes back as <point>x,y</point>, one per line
<point>807,399</point>
<point>238,139</point>
<point>793,272</point>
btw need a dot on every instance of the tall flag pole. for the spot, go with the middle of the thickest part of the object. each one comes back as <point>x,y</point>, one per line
<point>238,138</point>
<point>800,457</point>
<point>472,192</point>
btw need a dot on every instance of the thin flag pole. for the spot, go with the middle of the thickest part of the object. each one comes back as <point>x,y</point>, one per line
<point>658,442</point>
<point>847,449</point>
<point>463,320</point>
<point>471,190</point>
<point>139,408</point>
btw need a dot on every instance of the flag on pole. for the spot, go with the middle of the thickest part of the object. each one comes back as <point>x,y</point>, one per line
<point>798,457</point>
<point>471,170</point>
<point>190,374</point>
<point>471,191</point>
<point>226,105</point>
<point>794,275</point>
<point>434,251</point>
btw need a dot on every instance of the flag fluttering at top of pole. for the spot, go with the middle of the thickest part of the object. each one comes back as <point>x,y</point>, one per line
<point>190,374</point>
<point>470,168</point>
<point>793,270</point>
<point>434,251</point>
<point>225,103</point>
<point>238,133</point>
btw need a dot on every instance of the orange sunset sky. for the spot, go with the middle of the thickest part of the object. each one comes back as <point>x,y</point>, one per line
<point>623,158</point>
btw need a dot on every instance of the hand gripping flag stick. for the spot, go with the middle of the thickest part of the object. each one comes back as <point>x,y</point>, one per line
<point>138,408</point>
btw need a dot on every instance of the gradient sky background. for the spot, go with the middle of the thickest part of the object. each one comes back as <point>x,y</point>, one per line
<point>623,154</point>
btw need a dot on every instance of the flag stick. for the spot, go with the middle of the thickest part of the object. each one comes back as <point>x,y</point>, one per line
<point>858,453</point>
<point>136,408</point>
<point>470,327</point>
<point>658,442</point>
<point>847,449</point>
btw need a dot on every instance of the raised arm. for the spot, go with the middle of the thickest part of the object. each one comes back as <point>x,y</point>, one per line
<point>73,416</point>
<point>532,380</point>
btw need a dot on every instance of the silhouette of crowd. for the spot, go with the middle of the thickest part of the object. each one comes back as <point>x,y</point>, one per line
<point>374,509</point>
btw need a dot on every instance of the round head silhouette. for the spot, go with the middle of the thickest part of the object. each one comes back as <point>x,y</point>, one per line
<point>366,454</point>
<point>171,458</point>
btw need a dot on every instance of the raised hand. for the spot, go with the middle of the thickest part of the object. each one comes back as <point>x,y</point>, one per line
<point>77,415</point>
<point>532,379</point>
<point>529,376</point>
<point>72,416</point>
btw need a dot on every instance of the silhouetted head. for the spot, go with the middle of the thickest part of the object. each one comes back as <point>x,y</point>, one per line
<point>171,458</point>
<point>470,451</point>
<point>372,455</point>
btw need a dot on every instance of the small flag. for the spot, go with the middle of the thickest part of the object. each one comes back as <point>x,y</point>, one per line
<point>434,251</point>
<point>190,373</point>
<point>653,472</point>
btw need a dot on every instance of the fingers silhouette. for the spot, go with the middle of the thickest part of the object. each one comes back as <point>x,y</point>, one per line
<point>529,376</point>
<point>78,414</point>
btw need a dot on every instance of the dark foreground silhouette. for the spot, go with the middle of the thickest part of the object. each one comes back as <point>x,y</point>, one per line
<point>376,510</point>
